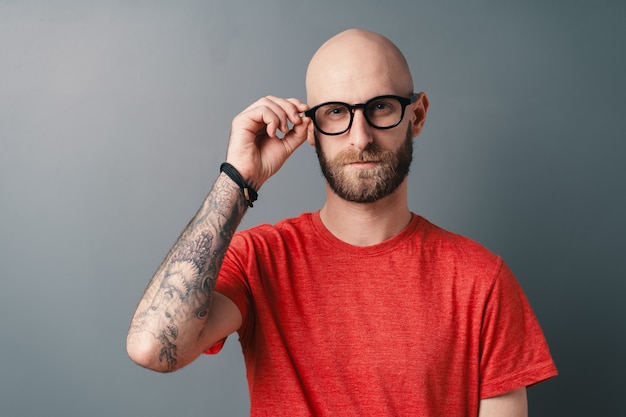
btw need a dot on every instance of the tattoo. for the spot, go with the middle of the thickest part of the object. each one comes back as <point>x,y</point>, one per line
<point>168,351</point>
<point>181,291</point>
<point>191,251</point>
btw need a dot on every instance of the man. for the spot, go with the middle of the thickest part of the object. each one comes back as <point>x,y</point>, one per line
<point>362,308</point>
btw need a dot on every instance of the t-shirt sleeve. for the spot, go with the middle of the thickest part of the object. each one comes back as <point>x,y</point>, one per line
<point>514,351</point>
<point>232,283</point>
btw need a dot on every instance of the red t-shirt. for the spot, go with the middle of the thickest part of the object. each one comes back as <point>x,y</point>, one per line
<point>424,324</point>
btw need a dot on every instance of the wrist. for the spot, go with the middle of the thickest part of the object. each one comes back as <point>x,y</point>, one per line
<point>248,188</point>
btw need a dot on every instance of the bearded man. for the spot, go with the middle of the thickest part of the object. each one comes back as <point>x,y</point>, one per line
<point>362,308</point>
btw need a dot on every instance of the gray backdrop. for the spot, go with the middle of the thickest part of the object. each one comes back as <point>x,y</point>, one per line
<point>114,117</point>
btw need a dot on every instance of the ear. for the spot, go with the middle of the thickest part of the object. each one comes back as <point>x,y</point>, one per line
<point>418,114</point>
<point>311,134</point>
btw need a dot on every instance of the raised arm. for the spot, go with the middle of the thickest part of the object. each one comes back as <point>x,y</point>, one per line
<point>179,315</point>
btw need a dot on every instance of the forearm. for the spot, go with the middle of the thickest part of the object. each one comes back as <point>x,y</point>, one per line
<point>169,324</point>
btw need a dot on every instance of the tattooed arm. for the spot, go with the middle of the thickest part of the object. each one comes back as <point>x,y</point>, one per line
<point>169,327</point>
<point>179,315</point>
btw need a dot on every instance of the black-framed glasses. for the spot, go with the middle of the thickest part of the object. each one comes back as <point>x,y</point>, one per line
<point>382,112</point>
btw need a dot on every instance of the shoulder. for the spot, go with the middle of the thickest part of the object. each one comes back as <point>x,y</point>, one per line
<point>271,234</point>
<point>449,250</point>
<point>436,238</point>
<point>266,246</point>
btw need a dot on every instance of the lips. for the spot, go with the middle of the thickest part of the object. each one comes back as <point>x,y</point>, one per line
<point>362,161</point>
<point>363,165</point>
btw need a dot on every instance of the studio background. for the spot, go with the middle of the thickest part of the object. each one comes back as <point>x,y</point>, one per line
<point>114,118</point>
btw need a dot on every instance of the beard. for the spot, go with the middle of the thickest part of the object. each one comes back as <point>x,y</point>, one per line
<point>372,184</point>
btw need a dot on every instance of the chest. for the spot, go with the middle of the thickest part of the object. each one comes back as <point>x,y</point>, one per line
<point>403,309</point>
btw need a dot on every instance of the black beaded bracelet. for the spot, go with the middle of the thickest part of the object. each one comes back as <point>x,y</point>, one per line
<point>249,193</point>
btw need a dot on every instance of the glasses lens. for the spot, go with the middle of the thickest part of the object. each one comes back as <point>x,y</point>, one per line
<point>384,112</point>
<point>332,118</point>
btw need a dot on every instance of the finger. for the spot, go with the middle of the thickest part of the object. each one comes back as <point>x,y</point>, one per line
<point>292,107</point>
<point>264,116</point>
<point>274,112</point>
<point>300,106</point>
<point>296,137</point>
<point>272,120</point>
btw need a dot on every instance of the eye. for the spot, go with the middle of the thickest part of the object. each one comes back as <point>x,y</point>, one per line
<point>334,111</point>
<point>382,106</point>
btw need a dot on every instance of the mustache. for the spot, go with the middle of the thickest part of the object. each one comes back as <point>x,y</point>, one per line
<point>372,153</point>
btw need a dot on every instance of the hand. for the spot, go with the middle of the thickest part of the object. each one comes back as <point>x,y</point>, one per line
<point>254,147</point>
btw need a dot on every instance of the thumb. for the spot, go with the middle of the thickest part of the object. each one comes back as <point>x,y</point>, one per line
<point>296,136</point>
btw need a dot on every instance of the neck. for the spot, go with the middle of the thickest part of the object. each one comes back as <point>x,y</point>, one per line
<point>366,224</point>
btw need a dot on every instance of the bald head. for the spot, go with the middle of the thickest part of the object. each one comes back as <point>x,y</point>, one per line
<point>356,65</point>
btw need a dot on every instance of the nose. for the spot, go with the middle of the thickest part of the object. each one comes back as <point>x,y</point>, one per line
<point>360,132</point>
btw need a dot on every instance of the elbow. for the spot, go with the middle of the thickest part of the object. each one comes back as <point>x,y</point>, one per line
<point>146,353</point>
